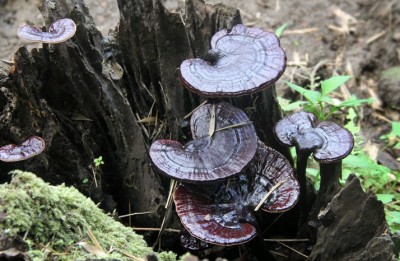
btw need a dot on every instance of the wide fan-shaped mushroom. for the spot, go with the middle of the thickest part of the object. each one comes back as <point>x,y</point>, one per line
<point>29,148</point>
<point>208,158</point>
<point>225,215</point>
<point>242,61</point>
<point>327,141</point>
<point>59,31</point>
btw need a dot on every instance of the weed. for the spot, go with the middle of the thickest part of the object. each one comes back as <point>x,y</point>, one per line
<point>320,103</point>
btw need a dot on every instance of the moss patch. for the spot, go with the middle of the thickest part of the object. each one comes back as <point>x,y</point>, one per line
<point>59,217</point>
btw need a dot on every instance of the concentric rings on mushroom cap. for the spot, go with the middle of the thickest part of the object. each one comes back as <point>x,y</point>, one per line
<point>328,141</point>
<point>29,148</point>
<point>59,31</point>
<point>207,158</point>
<point>243,61</point>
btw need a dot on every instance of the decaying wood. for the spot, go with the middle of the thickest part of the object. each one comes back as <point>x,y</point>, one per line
<point>86,96</point>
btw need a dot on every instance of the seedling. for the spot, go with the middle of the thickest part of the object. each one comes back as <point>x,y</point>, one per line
<point>98,161</point>
<point>320,103</point>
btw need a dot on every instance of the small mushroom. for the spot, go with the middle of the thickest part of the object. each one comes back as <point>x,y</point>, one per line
<point>59,31</point>
<point>242,61</point>
<point>327,141</point>
<point>224,214</point>
<point>29,148</point>
<point>208,158</point>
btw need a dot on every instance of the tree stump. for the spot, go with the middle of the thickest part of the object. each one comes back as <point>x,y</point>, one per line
<point>112,96</point>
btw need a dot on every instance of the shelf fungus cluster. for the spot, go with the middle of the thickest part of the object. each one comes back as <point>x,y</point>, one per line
<point>226,173</point>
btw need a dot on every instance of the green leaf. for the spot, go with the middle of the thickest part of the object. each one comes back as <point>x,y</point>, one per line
<point>355,102</point>
<point>385,198</point>
<point>396,128</point>
<point>392,73</point>
<point>293,106</point>
<point>312,96</point>
<point>280,29</point>
<point>333,83</point>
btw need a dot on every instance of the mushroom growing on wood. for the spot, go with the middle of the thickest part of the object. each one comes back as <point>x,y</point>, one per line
<point>241,61</point>
<point>327,141</point>
<point>224,215</point>
<point>59,31</point>
<point>29,148</point>
<point>209,157</point>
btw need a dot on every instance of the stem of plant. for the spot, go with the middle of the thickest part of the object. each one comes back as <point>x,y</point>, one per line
<point>301,166</point>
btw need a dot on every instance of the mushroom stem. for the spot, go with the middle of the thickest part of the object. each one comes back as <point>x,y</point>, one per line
<point>301,166</point>
<point>330,175</point>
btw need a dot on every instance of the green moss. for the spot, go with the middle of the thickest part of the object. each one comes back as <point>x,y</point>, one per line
<point>60,217</point>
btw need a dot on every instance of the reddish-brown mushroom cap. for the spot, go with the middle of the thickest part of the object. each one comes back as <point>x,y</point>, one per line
<point>207,158</point>
<point>242,61</point>
<point>59,31</point>
<point>328,141</point>
<point>203,220</point>
<point>269,167</point>
<point>29,148</point>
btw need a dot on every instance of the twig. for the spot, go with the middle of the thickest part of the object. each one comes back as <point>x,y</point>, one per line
<point>301,31</point>
<point>211,128</point>
<point>94,240</point>
<point>134,214</point>
<point>172,186</point>
<point>156,229</point>
<point>375,37</point>
<point>277,185</point>
<point>294,250</point>
<point>128,255</point>
<point>286,239</point>
<point>190,113</point>
<point>234,126</point>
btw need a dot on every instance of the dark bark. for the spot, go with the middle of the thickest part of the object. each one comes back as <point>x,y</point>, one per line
<point>85,97</point>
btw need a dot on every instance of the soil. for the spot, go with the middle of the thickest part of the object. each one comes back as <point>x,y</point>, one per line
<point>322,38</point>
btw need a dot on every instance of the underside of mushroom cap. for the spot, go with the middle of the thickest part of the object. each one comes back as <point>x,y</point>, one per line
<point>204,220</point>
<point>267,169</point>
<point>242,61</point>
<point>206,158</point>
<point>59,31</point>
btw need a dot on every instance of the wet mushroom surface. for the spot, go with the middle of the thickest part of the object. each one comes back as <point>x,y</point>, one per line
<point>242,61</point>
<point>328,141</point>
<point>223,214</point>
<point>59,31</point>
<point>29,148</point>
<point>208,157</point>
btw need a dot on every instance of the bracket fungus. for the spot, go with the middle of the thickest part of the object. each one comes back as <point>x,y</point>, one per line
<point>242,61</point>
<point>208,157</point>
<point>327,141</point>
<point>29,148</point>
<point>224,214</point>
<point>59,31</point>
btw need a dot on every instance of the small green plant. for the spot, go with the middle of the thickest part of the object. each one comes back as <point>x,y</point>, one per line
<point>393,138</point>
<point>98,161</point>
<point>378,178</point>
<point>320,103</point>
